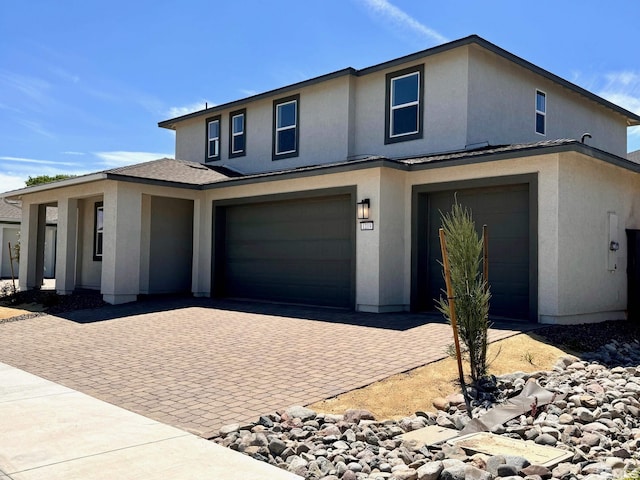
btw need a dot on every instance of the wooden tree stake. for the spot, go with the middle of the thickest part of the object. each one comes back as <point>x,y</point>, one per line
<point>13,277</point>
<point>452,313</point>
<point>485,256</point>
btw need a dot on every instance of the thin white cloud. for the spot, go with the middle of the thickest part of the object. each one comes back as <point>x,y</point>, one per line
<point>35,160</point>
<point>626,78</point>
<point>36,89</point>
<point>36,128</point>
<point>391,13</point>
<point>174,112</point>
<point>623,88</point>
<point>65,75</point>
<point>11,182</point>
<point>4,106</point>
<point>120,158</point>
<point>72,153</point>
<point>16,170</point>
<point>248,92</point>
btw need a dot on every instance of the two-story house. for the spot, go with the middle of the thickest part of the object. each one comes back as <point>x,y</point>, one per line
<point>329,192</point>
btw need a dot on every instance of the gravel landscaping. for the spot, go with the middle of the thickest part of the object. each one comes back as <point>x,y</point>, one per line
<point>596,417</point>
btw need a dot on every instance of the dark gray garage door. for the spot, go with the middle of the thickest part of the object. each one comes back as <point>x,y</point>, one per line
<point>295,251</point>
<point>505,210</point>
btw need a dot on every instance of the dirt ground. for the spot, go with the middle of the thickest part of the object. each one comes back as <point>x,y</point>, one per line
<point>6,312</point>
<point>404,394</point>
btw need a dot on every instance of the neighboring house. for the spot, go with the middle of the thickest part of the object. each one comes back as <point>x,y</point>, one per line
<point>634,156</point>
<point>10,216</point>
<point>264,199</point>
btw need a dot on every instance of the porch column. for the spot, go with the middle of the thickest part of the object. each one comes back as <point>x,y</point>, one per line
<point>32,231</point>
<point>66,246</point>
<point>121,243</point>
<point>202,248</point>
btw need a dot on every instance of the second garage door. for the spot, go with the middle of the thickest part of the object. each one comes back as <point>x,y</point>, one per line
<point>294,251</point>
<point>505,210</point>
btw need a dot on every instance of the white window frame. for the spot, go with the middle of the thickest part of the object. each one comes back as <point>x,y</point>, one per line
<point>393,108</point>
<point>288,127</point>
<point>542,113</point>
<point>213,139</point>
<point>235,134</point>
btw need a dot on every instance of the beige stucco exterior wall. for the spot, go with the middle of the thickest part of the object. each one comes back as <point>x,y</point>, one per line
<point>324,112</point>
<point>171,245</point>
<point>502,108</point>
<point>445,108</point>
<point>589,190</point>
<point>88,270</point>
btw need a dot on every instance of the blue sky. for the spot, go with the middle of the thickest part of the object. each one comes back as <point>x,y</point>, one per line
<point>84,83</point>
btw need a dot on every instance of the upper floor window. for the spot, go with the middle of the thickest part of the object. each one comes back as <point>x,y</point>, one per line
<point>404,105</point>
<point>213,138</point>
<point>237,133</point>
<point>541,112</point>
<point>98,230</point>
<point>285,127</point>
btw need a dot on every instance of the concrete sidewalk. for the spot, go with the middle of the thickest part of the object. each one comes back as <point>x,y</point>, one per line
<point>52,432</point>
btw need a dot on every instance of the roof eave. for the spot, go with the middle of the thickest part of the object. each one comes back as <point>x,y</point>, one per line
<point>632,118</point>
<point>17,194</point>
<point>170,123</point>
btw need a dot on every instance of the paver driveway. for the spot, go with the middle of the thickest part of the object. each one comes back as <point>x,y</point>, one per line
<point>199,364</point>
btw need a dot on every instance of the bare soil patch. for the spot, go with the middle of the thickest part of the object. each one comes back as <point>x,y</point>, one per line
<point>404,394</point>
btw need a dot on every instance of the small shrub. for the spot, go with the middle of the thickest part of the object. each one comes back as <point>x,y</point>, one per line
<point>528,357</point>
<point>471,293</point>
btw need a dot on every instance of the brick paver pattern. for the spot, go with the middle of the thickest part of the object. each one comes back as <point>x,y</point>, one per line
<point>199,365</point>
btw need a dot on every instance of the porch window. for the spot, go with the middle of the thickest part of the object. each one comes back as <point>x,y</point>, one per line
<point>98,231</point>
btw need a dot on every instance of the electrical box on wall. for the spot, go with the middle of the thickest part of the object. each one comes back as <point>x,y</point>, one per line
<point>614,242</point>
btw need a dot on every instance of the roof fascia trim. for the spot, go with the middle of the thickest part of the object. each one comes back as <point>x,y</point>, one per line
<point>271,93</point>
<point>529,152</point>
<point>152,181</point>
<point>311,172</point>
<point>69,182</point>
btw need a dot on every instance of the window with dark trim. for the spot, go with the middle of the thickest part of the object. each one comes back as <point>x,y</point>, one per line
<point>98,230</point>
<point>404,105</point>
<point>286,127</point>
<point>213,138</point>
<point>238,133</point>
<point>541,112</point>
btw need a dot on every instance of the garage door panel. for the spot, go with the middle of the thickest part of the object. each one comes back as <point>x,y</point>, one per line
<point>505,210</point>
<point>297,251</point>
<point>307,250</point>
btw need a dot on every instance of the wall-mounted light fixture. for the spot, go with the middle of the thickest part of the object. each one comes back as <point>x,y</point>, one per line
<point>363,209</point>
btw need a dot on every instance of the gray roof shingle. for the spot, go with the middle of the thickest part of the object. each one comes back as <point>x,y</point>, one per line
<point>175,171</point>
<point>9,212</point>
<point>12,212</point>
